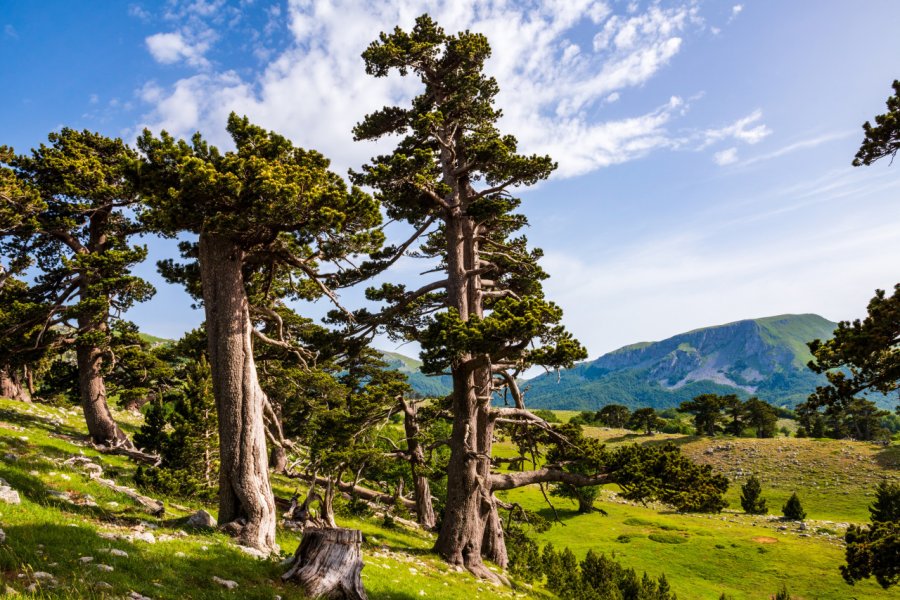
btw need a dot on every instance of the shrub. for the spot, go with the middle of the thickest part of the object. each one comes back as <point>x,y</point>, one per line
<point>751,501</point>
<point>792,509</point>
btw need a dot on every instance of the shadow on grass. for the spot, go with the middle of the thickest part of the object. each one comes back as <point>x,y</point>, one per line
<point>151,570</point>
<point>33,421</point>
<point>889,458</point>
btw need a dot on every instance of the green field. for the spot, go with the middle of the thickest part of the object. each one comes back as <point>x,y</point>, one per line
<point>741,555</point>
<point>64,516</point>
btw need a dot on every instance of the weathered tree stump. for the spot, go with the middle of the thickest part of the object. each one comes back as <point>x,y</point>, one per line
<point>328,564</point>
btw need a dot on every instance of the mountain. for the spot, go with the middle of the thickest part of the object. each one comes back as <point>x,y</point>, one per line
<point>757,357</point>
<point>423,385</point>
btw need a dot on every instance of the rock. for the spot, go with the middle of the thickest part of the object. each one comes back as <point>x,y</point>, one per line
<point>225,583</point>
<point>117,552</point>
<point>137,596</point>
<point>180,554</point>
<point>106,568</point>
<point>202,520</point>
<point>2,536</point>
<point>253,552</point>
<point>43,576</point>
<point>10,457</point>
<point>102,585</point>
<point>145,536</point>
<point>8,495</point>
<point>86,559</point>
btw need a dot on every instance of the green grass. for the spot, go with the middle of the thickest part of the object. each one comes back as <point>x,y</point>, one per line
<point>46,533</point>
<point>747,557</point>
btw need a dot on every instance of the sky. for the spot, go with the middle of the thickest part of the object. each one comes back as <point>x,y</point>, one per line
<point>704,148</point>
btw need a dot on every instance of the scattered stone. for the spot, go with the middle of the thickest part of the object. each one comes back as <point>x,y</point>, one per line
<point>137,596</point>
<point>2,536</point>
<point>43,576</point>
<point>117,552</point>
<point>202,520</point>
<point>225,583</point>
<point>7,494</point>
<point>86,559</point>
<point>10,457</point>
<point>253,552</point>
<point>102,567</point>
<point>145,536</point>
<point>180,554</point>
<point>102,585</point>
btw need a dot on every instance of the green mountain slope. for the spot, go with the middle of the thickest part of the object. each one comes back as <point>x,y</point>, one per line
<point>423,385</point>
<point>763,357</point>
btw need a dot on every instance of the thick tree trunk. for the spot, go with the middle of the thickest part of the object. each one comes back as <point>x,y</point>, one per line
<point>493,546</point>
<point>245,496</point>
<point>424,508</point>
<point>92,389</point>
<point>11,386</point>
<point>328,564</point>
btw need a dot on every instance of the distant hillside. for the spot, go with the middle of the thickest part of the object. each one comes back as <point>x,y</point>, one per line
<point>423,385</point>
<point>763,357</point>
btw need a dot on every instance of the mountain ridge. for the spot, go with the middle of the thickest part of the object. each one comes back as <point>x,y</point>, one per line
<point>765,356</point>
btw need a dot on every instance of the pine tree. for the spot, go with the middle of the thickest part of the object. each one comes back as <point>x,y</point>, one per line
<point>751,501</point>
<point>792,509</point>
<point>80,232</point>
<point>187,442</point>
<point>886,507</point>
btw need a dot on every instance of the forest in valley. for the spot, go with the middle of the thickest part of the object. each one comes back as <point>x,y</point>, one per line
<point>285,447</point>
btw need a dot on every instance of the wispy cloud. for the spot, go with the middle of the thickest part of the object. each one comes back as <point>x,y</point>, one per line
<point>800,145</point>
<point>726,157</point>
<point>552,88</point>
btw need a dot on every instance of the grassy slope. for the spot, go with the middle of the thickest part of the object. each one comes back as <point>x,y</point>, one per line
<point>743,556</point>
<point>49,534</point>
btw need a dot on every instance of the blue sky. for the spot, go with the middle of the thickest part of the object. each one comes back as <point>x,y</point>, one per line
<point>704,147</point>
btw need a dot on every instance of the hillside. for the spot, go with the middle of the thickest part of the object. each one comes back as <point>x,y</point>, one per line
<point>423,385</point>
<point>764,357</point>
<point>63,535</point>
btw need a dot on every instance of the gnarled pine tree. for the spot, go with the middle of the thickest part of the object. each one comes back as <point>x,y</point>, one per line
<point>268,214</point>
<point>486,320</point>
<point>77,235</point>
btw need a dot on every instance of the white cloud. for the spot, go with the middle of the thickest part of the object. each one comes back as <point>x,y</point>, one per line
<point>726,157</point>
<point>800,145</point>
<point>169,48</point>
<point>316,89</point>
<point>613,97</point>
<point>744,129</point>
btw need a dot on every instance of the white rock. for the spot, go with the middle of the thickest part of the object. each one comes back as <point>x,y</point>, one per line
<point>2,536</point>
<point>225,583</point>
<point>253,552</point>
<point>145,536</point>
<point>86,559</point>
<point>42,576</point>
<point>106,568</point>
<point>117,552</point>
<point>201,519</point>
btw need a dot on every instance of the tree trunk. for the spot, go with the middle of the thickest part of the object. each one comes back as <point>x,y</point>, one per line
<point>469,500</point>
<point>494,544</point>
<point>328,564</point>
<point>92,389</point>
<point>421,486</point>
<point>11,386</point>
<point>245,496</point>
<point>278,459</point>
<point>585,506</point>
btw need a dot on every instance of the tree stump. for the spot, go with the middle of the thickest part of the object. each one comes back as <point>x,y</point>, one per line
<point>328,564</point>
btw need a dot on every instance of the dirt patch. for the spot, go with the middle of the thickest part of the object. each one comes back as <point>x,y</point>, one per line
<point>765,540</point>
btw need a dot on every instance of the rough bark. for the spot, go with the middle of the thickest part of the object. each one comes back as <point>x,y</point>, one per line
<point>100,423</point>
<point>469,501</point>
<point>328,564</point>
<point>245,495</point>
<point>11,386</point>
<point>416,456</point>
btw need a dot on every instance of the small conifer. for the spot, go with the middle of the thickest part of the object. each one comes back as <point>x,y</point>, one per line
<point>751,501</point>
<point>793,510</point>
